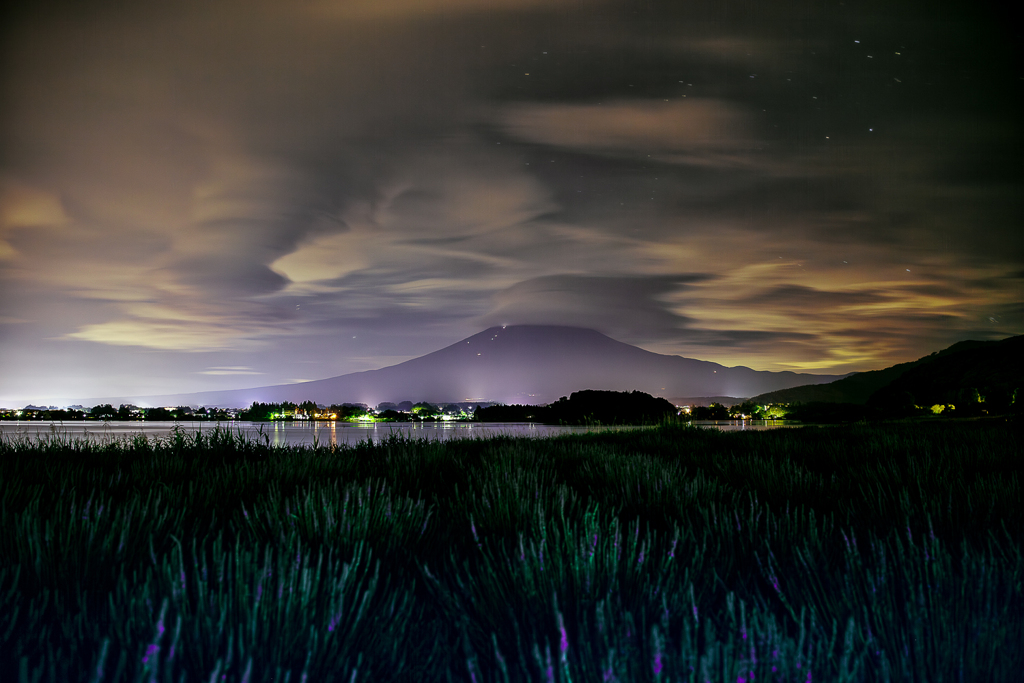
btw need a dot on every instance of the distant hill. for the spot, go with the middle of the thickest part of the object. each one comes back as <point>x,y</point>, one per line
<point>856,388</point>
<point>964,365</point>
<point>526,364</point>
<point>965,373</point>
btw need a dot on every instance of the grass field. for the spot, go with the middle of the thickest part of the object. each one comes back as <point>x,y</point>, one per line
<point>861,553</point>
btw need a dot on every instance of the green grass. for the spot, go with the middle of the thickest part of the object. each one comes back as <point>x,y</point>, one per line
<point>858,553</point>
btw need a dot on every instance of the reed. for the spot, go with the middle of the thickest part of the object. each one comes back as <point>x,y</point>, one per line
<point>858,553</point>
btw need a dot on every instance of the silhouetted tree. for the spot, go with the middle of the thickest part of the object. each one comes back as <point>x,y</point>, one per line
<point>103,411</point>
<point>610,407</point>
<point>258,412</point>
<point>715,411</point>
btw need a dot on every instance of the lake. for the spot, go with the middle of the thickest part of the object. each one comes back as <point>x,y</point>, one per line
<point>331,433</point>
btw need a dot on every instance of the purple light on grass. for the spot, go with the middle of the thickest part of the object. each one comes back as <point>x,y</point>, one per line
<point>476,538</point>
<point>563,645</point>
<point>150,652</point>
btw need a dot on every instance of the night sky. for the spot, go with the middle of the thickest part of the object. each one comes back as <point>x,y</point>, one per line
<point>221,194</point>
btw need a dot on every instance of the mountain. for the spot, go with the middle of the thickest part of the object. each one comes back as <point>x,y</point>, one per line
<point>856,388</point>
<point>530,364</point>
<point>990,365</point>
<point>965,373</point>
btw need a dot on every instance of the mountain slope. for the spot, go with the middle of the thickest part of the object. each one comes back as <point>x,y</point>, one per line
<point>856,388</point>
<point>986,372</point>
<point>966,364</point>
<point>519,364</point>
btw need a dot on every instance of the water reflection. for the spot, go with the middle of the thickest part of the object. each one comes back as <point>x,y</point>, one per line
<point>329,433</point>
<point>744,425</point>
<point>351,433</point>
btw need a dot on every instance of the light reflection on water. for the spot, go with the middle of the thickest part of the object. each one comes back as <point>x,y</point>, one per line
<point>328,433</point>
<point>745,425</point>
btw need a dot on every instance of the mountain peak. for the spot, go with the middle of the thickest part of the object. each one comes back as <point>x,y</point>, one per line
<point>539,332</point>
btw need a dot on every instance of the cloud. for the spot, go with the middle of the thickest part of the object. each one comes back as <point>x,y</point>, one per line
<point>183,280</point>
<point>195,334</point>
<point>842,318</point>
<point>439,219</point>
<point>699,131</point>
<point>419,9</point>
<point>801,298</point>
<point>230,370</point>
<point>24,206</point>
<point>462,190</point>
<point>324,258</point>
<point>623,307</point>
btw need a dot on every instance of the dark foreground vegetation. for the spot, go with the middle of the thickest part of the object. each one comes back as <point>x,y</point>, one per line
<point>858,553</point>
